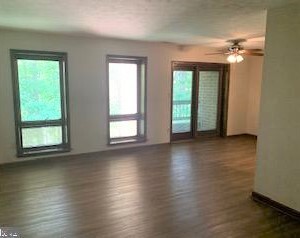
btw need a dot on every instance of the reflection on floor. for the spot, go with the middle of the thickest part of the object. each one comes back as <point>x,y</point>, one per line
<point>192,189</point>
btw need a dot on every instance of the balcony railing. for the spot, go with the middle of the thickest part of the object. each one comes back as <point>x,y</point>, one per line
<point>181,116</point>
<point>181,121</point>
<point>181,110</point>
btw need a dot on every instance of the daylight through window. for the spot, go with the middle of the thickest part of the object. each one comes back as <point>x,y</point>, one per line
<point>127,78</point>
<point>41,110</point>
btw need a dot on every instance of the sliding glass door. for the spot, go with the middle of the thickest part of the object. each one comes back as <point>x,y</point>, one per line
<point>182,103</point>
<point>198,96</point>
<point>208,111</point>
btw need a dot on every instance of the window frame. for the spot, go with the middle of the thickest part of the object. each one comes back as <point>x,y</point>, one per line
<point>64,122</point>
<point>139,116</point>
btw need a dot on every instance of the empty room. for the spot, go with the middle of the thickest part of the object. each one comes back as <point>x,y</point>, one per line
<point>149,118</point>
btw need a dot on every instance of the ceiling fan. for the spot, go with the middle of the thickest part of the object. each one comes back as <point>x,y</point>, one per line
<point>236,50</point>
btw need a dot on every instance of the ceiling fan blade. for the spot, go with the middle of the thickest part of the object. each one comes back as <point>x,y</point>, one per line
<point>221,53</point>
<point>248,51</point>
<point>254,50</point>
<point>254,53</point>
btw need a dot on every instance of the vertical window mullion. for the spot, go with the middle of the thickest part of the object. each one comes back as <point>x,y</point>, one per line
<point>139,98</point>
<point>17,103</point>
<point>66,114</point>
<point>62,100</point>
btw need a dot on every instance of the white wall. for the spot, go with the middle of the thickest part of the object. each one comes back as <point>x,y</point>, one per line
<point>238,98</point>
<point>244,100</point>
<point>87,86</point>
<point>278,163</point>
<point>254,92</point>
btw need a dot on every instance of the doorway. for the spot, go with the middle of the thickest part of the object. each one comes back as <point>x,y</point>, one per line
<point>199,100</point>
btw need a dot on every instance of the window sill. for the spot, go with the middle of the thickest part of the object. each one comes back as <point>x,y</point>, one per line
<point>49,151</point>
<point>125,141</point>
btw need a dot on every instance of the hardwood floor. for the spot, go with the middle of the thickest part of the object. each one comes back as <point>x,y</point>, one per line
<point>193,189</point>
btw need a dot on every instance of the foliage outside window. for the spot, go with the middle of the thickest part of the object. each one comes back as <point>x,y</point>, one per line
<point>41,109</point>
<point>127,94</point>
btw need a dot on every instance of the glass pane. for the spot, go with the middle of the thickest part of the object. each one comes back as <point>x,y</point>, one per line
<point>39,85</point>
<point>122,88</point>
<point>182,101</point>
<point>120,129</point>
<point>208,100</point>
<point>41,136</point>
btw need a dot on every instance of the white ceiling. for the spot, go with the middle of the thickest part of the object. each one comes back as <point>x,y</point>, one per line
<point>208,22</point>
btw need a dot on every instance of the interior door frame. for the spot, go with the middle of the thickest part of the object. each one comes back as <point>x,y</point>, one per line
<point>224,75</point>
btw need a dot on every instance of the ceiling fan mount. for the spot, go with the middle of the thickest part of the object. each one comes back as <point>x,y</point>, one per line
<point>236,41</point>
<point>235,45</point>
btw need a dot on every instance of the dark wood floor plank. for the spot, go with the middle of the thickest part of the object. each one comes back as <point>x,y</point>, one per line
<point>192,189</point>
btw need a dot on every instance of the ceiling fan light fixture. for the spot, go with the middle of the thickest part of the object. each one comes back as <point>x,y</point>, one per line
<point>239,58</point>
<point>235,58</point>
<point>232,58</point>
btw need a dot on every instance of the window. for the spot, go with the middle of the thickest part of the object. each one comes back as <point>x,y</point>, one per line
<point>127,99</point>
<point>40,95</point>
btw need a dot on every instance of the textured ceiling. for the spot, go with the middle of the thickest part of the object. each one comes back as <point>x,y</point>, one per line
<point>208,22</point>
